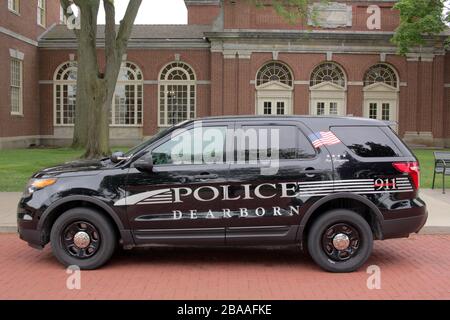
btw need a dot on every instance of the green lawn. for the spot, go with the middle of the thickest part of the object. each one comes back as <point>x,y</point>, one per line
<point>426,160</point>
<point>16,166</point>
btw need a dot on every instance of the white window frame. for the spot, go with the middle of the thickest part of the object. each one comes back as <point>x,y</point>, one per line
<point>18,112</point>
<point>327,107</point>
<point>336,68</point>
<point>14,6</point>
<point>382,92</point>
<point>58,82</point>
<point>274,91</point>
<point>136,83</point>
<point>269,68</point>
<point>41,13</point>
<point>326,91</point>
<point>62,15</point>
<point>388,70</point>
<point>166,83</point>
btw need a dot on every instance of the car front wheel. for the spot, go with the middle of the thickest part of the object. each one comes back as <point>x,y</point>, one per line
<point>83,237</point>
<point>340,241</point>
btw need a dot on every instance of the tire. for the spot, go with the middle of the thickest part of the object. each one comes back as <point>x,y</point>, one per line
<point>321,246</point>
<point>93,223</point>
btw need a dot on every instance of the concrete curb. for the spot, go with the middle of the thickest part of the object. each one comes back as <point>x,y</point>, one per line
<point>431,230</point>
<point>8,229</point>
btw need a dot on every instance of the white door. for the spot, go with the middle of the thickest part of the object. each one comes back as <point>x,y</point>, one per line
<point>326,108</point>
<point>274,106</point>
<point>381,110</point>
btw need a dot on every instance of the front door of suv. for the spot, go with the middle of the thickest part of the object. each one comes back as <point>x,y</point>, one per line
<point>178,202</point>
<point>268,204</point>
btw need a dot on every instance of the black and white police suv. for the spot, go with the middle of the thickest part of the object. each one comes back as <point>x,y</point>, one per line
<point>329,185</point>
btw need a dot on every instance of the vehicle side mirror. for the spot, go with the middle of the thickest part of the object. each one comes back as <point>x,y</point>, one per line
<point>116,157</point>
<point>144,165</point>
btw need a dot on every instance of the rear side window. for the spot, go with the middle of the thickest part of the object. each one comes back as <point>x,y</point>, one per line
<point>367,142</point>
<point>292,142</point>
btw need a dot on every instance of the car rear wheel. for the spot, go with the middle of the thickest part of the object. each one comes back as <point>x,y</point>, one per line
<point>340,241</point>
<point>83,237</point>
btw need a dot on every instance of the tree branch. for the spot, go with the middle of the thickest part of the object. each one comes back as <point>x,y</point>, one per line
<point>110,31</point>
<point>115,48</point>
<point>87,41</point>
<point>126,25</point>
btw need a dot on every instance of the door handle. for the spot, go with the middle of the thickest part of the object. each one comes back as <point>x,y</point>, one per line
<point>206,176</point>
<point>310,172</point>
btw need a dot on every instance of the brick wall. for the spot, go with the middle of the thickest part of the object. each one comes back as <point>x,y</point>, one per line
<point>424,103</point>
<point>243,15</point>
<point>150,62</point>
<point>26,22</point>
<point>202,14</point>
<point>447,97</point>
<point>231,90</point>
<point>28,124</point>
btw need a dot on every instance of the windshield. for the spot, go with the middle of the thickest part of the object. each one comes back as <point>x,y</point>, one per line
<point>132,152</point>
<point>145,144</point>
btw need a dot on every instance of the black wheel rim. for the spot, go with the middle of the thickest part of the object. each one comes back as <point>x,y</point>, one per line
<point>81,239</point>
<point>341,242</point>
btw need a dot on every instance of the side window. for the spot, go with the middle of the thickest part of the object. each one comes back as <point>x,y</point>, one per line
<point>367,142</point>
<point>194,146</point>
<point>289,140</point>
<point>305,149</point>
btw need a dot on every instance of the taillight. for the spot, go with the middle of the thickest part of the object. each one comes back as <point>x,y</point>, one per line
<point>412,169</point>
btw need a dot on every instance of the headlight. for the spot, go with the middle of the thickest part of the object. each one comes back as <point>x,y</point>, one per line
<point>37,184</point>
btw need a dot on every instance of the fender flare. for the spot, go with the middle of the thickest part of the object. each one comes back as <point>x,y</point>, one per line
<point>88,199</point>
<point>342,195</point>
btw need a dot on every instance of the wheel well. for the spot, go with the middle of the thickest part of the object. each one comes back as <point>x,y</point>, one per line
<point>350,204</point>
<point>58,211</point>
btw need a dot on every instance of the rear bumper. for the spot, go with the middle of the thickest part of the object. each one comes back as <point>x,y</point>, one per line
<point>403,227</point>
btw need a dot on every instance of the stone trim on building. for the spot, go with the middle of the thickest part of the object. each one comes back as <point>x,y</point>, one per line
<point>18,36</point>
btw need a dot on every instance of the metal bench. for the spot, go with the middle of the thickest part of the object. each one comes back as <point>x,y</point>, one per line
<point>442,166</point>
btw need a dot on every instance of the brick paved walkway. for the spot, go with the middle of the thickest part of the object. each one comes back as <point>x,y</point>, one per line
<point>415,268</point>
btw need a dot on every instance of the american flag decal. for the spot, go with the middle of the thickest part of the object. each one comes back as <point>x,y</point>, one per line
<point>324,139</point>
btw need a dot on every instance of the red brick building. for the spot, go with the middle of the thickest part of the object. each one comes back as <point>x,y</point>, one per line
<point>231,58</point>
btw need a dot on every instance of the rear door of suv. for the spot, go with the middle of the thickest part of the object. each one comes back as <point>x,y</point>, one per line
<point>268,206</point>
<point>374,163</point>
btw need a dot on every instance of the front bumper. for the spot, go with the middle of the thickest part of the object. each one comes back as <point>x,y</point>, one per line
<point>33,237</point>
<point>27,222</point>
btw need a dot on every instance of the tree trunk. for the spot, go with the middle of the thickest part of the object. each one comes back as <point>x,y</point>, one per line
<point>97,144</point>
<point>88,70</point>
<point>95,90</point>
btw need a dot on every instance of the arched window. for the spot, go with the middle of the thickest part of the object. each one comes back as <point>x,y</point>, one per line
<point>381,73</point>
<point>177,94</point>
<point>274,71</point>
<point>328,90</point>
<point>65,89</point>
<point>328,72</point>
<point>127,101</point>
<point>274,86</point>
